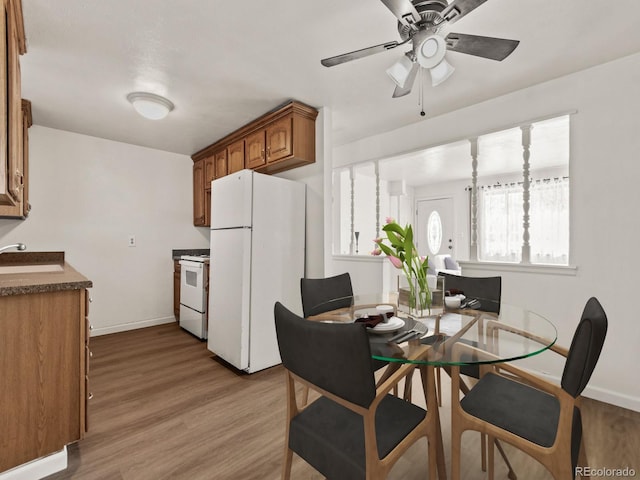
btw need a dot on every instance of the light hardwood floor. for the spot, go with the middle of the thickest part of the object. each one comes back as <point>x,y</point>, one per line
<point>165,408</point>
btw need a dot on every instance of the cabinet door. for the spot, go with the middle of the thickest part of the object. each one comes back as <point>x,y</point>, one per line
<point>236,156</point>
<point>221,163</point>
<point>209,171</point>
<point>207,207</point>
<point>255,151</point>
<point>176,289</point>
<point>198,193</point>
<point>278,136</point>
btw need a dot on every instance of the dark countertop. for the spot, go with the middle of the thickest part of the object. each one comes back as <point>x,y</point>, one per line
<point>39,282</point>
<point>176,254</point>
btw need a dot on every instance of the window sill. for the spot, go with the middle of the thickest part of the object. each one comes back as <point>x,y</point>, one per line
<point>570,270</point>
<point>358,258</point>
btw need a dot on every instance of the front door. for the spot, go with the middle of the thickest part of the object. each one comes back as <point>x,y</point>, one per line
<point>434,232</point>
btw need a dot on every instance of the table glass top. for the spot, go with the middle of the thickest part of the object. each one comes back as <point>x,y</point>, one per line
<point>447,337</point>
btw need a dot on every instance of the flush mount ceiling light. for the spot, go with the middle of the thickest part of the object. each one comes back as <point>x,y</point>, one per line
<point>149,105</point>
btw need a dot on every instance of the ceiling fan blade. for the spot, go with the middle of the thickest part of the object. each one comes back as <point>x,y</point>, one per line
<point>402,91</point>
<point>365,52</point>
<point>459,8</point>
<point>487,47</point>
<point>404,11</point>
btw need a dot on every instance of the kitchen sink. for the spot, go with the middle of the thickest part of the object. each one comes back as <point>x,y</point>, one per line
<point>38,268</point>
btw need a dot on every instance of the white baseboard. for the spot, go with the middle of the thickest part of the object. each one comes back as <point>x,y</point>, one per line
<point>123,327</point>
<point>40,468</point>
<point>600,394</point>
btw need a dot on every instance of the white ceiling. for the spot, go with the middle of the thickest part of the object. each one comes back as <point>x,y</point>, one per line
<point>223,63</point>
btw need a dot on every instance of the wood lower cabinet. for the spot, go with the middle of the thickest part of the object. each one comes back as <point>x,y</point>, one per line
<point>45,363</point>
<point>277,141</point>
<point>176,289</point>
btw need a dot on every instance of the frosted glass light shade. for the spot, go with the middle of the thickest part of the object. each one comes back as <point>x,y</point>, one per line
<point>441,72</point>
<point>149,105</point>
<point>399,71</point>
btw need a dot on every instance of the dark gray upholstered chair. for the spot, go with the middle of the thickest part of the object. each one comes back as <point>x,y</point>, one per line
<point>536,416</point>
<point>487,290</point>
<point>321,295</point>
<point>352,430</point>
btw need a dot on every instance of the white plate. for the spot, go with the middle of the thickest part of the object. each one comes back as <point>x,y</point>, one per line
<point>392,325</point>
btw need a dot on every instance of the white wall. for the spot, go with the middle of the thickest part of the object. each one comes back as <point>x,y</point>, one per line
<point>90,194</point>
<point>314,177</point>
<point>604,198</point>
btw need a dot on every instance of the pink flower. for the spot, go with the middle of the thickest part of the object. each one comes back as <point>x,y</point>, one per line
<point>376,251</point>
<point>395,261</point>
<point>377,240</point>
<point>390,220</point>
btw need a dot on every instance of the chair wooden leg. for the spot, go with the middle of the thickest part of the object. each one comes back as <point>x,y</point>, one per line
<point>511,475</point>
<point>490,444</point>
<point>288,459</point>
<point>483,451</point>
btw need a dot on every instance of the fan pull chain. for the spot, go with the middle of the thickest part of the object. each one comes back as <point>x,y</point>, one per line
<point>421,99</point>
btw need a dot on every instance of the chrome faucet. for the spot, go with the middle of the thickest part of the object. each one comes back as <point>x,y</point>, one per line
<point>18,246</point>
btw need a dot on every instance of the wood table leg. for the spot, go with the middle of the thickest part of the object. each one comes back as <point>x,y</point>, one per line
<point>436,447</point>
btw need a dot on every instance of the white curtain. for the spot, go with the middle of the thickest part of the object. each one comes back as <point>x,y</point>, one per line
<point>549,221</point>
<point>500,222</point>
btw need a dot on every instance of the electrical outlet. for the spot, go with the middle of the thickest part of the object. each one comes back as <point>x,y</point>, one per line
<point>132,240</point>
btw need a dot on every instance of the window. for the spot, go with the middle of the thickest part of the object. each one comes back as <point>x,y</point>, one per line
<point>501,206</point>
<point>517,204</point>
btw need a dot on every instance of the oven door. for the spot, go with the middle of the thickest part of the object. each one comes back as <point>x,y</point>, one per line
<point>192,291</point>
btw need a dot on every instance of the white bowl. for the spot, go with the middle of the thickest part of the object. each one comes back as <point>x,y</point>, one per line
<point>452,302</point>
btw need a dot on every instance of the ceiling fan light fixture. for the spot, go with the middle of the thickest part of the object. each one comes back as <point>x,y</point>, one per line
<point>150,105</point>
<point>399,71</point>
<point>441,72</point>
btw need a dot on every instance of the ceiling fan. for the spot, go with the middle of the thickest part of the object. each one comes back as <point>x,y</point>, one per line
<point>419,22</point>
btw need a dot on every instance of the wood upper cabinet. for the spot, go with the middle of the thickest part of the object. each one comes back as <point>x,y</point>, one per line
<point>255,154</point>
<point>209,171</point>
<point>277,141</point>
<point>220,163</point>
<point>236,156</point>
<point>11,113</point>
<point>198,194</point>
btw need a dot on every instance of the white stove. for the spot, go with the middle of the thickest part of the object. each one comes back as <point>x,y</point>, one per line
<point>193,294</point>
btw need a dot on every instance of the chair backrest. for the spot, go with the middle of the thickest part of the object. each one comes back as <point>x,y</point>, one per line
<point>585,348</point>
<point>333,356</point>
<point>320,295</point>
<point>487,290</point>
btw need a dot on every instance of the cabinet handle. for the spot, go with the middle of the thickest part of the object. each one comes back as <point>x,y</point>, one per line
<point>90,327</point>
<point>262,153</point>
<point>90,396</point>
<point>90,299</point>
<point>90,354</point>
<point>268,152</point>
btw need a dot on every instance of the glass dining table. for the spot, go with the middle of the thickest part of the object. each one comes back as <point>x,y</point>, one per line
<point>431,341</point>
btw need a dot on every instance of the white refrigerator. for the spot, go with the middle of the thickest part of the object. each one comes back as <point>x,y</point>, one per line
<point>257,258</point>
